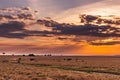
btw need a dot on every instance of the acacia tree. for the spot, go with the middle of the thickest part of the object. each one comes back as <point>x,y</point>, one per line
<point>3,53</point>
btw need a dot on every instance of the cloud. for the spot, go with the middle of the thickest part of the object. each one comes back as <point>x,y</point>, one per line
<point>87,18</point>
<point>8,29</point>
<point>87,29</point>
<point>92,26</point>
<point>16,14</point>
<point>18,26</point>
<point>107,43</point>
<point>102,7</point>
<point>62,28</point>
<point>13,21</point>
<point>104,42</point>
<point>12,26</point>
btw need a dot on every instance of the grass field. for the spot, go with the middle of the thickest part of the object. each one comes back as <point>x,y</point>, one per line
<point>59,68</point>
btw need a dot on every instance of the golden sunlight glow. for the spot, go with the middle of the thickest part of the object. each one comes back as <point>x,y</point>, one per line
<point>101,50</point>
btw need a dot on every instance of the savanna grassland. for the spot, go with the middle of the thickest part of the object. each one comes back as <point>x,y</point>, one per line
<point>59,68</point>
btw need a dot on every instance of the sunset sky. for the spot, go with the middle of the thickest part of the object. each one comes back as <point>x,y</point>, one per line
<point>67,27</point>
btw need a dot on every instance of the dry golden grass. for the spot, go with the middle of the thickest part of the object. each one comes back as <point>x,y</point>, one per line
<point>59,68</point>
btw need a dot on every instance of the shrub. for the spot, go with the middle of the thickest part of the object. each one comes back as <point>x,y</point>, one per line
<point>19,60</point>
<point>23,55</point>
<point>31,55</point>
<point>32,59</point>
<point>69,59</point>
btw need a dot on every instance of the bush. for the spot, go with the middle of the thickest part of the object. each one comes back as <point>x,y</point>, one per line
<point>69,59</point>
<point>23,55</point>
<point>32,59</point>
<point>31,55</point>
<point>19,60</point>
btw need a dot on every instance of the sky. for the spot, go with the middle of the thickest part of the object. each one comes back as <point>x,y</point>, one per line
<point>64,30</point>
<point>58,9</point>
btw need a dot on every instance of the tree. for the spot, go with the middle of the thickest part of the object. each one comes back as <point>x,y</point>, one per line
<point>31,55</point>
<point>3,53</point>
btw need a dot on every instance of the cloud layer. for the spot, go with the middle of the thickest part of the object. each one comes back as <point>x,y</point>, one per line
<point>21,22</point>
<point>16,14</point>
<point>30,34</point>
